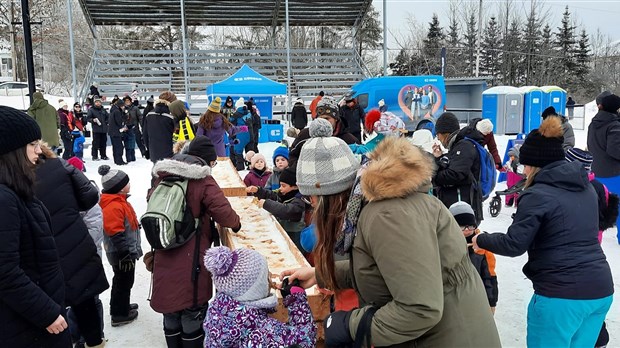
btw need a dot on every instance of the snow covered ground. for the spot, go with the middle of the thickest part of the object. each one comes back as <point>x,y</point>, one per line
<point>514,289</point>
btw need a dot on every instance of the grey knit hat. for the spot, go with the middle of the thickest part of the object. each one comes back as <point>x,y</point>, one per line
<point>326,165</point>
<point>112,180</point>
<point>327,106</point>
<point>463,214</point>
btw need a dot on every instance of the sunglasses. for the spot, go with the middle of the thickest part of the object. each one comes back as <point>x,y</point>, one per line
<point>470,228</point>
<point>326,110</point>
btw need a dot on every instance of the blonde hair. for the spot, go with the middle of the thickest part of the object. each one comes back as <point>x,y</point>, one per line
<point>530,177</point>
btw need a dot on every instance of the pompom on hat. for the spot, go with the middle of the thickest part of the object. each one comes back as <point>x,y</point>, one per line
<point>371,118</point>
<point>253,157</point>
<point>17,129</point>
<point>242,274</point>
<point>112,180</point>
<point>543,145</point>
<point>326,165</point>
<point>216,105</point>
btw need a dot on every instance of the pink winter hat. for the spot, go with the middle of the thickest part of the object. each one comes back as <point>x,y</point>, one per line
<point>253,157</point>
<point>242,274</point>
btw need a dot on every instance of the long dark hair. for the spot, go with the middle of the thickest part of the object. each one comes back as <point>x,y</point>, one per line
<point>208,118</point>
<point>329,217</point>
<point>18,173</point>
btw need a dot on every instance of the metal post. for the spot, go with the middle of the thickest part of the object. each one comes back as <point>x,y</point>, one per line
<point>385,38</point>
<point>479,39</point>
<point>288,62</point>
<point>73,73</point>
<point>185,72</point>
<point>13,44</point>
<point>28,48</point>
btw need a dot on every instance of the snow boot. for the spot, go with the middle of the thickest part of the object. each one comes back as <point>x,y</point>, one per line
<point>118,320</point>
<point>101,345</point>
<point>193,340</point>
<point>173,339</point>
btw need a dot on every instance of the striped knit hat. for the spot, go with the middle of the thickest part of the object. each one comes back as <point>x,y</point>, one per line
<point>326,165</point>
<point>574,154</point>
<point>112,180</point>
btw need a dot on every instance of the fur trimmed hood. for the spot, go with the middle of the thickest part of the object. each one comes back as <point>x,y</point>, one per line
<point>397,169</point>
<point>183,169</point>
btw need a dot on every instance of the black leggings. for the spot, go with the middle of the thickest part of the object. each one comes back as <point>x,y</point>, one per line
<point>88,321</point>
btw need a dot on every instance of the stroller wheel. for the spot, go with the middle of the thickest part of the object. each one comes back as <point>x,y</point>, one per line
<point>495,206</point>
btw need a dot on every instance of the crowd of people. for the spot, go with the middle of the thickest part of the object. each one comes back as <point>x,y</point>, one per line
<point>389,224</point>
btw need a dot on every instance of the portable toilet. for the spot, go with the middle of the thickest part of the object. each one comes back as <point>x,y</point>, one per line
<point>533,107</point>
<point>556,97</point>
<point>503,105</point>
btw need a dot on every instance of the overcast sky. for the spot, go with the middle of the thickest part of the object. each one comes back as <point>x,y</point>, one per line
<point>592,14</point>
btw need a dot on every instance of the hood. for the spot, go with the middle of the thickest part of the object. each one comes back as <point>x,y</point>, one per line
<point>570,176</point>
<point>243,319</point>
<point>243,110</point>
<point>38,104</point>
<point>605,117</point>
<point>107,198</point>
<point>397,169</point>
<point>180,166</point>
<point>161,109</point>
<point>470,132</point>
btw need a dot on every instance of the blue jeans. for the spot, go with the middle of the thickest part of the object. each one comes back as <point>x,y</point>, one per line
<point>613,185</point>
<point>559,322</point>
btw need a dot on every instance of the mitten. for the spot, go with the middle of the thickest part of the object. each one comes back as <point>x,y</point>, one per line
<point>243,129</point>
<point>289,288</point>
<point>336,327</point>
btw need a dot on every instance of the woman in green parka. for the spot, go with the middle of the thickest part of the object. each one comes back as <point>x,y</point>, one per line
<point>408,258</point>
<point>47,119</point>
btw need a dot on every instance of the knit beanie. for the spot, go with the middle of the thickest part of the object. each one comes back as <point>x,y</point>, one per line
<point>326,165</point>
<point>17,129</point>
<point>112,180</point>
<point>281,151</point>
<point>242,274</point>
<point>543,145</point>
<point>177,109</point>
<point>202,147</point>
<point>463,214</point>
<point>484,126</point>
<point>168,96</point>
<point>611,103</point>
<point>240,103</point>
<point>550,111</point>
<point>574,154</point>
<point>216,105</point>
<point>253,157</point>
<point>288,176</point>
<point>599,98</point>
<point>327,106</point>
<point>447,123</point>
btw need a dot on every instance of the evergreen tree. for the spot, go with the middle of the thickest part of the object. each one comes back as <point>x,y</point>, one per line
<point>369,34</point>
<point>402,64</point>
<point>490,55</point>
<point>511,62</point>
<point>531,46</point>
<point>582,56</point>
<point>565,46</point>
<point>548,62</point>
<point>455,65</point>
<point>432,46</point>
<point>470,40</point>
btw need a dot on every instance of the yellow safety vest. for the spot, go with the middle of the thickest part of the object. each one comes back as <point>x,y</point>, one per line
<point>186,132</point>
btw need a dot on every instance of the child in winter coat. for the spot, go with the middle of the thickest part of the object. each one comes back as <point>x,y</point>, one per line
<point>286,204</point>
<point>514,172</point>
<point>78,143</point>
<point>484,262</point>
<point>239,314</point>
<point>280,162</point>
<point>121,242</point>
<point>259,173</point>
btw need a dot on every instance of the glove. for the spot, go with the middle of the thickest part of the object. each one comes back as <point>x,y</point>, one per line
<point>237,229</point>
<point>287,288</point>
<point>243,129</point>
<point>127,263</point>
<point>336,327</point>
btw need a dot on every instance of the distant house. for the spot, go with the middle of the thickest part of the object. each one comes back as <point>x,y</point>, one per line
<point>6,62</point>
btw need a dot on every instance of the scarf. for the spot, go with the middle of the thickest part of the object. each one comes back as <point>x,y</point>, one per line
<point>346,235</point>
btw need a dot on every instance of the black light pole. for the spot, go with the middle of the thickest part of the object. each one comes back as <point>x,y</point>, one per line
<point>28,48</point>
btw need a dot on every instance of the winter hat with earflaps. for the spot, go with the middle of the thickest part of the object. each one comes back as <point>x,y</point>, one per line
<point>326,165</point>
<point>543,145</point>
<point>17,129</point>
<point>112,180</point>
<point>242,274</point>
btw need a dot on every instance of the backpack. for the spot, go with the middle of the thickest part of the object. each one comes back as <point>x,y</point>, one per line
<point>488,172</point>
<point>168,222</point>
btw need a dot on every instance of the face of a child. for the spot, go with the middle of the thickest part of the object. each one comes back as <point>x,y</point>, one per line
<point>260,164</point>
<point>126,189</point>
<point>281,163</point>
<point>468,230</point>
<point>286,188</point>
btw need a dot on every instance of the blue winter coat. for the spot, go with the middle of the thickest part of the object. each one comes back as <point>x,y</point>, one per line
<point>32,291</point>
<point>557,224</point>
<point>242,117</point>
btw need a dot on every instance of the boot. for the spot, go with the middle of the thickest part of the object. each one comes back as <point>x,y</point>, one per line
<point>193,340</point>
<point>101,345</point>
<point>173,339</point>
<point>133,306</point>
<point>118,320</point>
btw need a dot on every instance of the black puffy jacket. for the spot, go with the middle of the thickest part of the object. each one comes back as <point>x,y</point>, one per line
<point>65,191</point>
<point>604,144</point>
<point>459,170</point>
<point>117,121</point>
<point>354,117</point>
<point>157,132</point>
<point>32,290</point>
<point>299,116</point>
<point>557,224</point>
<point>100,114</point>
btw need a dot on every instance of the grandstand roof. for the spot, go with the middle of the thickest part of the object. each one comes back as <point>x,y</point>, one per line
<point>225,12</point>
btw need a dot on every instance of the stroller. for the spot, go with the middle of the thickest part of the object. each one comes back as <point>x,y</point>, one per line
<point>495,206</point>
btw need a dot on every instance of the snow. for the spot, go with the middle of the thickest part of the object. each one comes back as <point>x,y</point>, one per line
<point>514,289</point>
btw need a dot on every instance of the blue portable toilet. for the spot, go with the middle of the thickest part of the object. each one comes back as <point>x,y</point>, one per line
<point>533,102</point>
<point>556,97</point>
<point>503,105</point>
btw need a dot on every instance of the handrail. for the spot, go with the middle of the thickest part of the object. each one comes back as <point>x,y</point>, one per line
<point>90,70</point>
